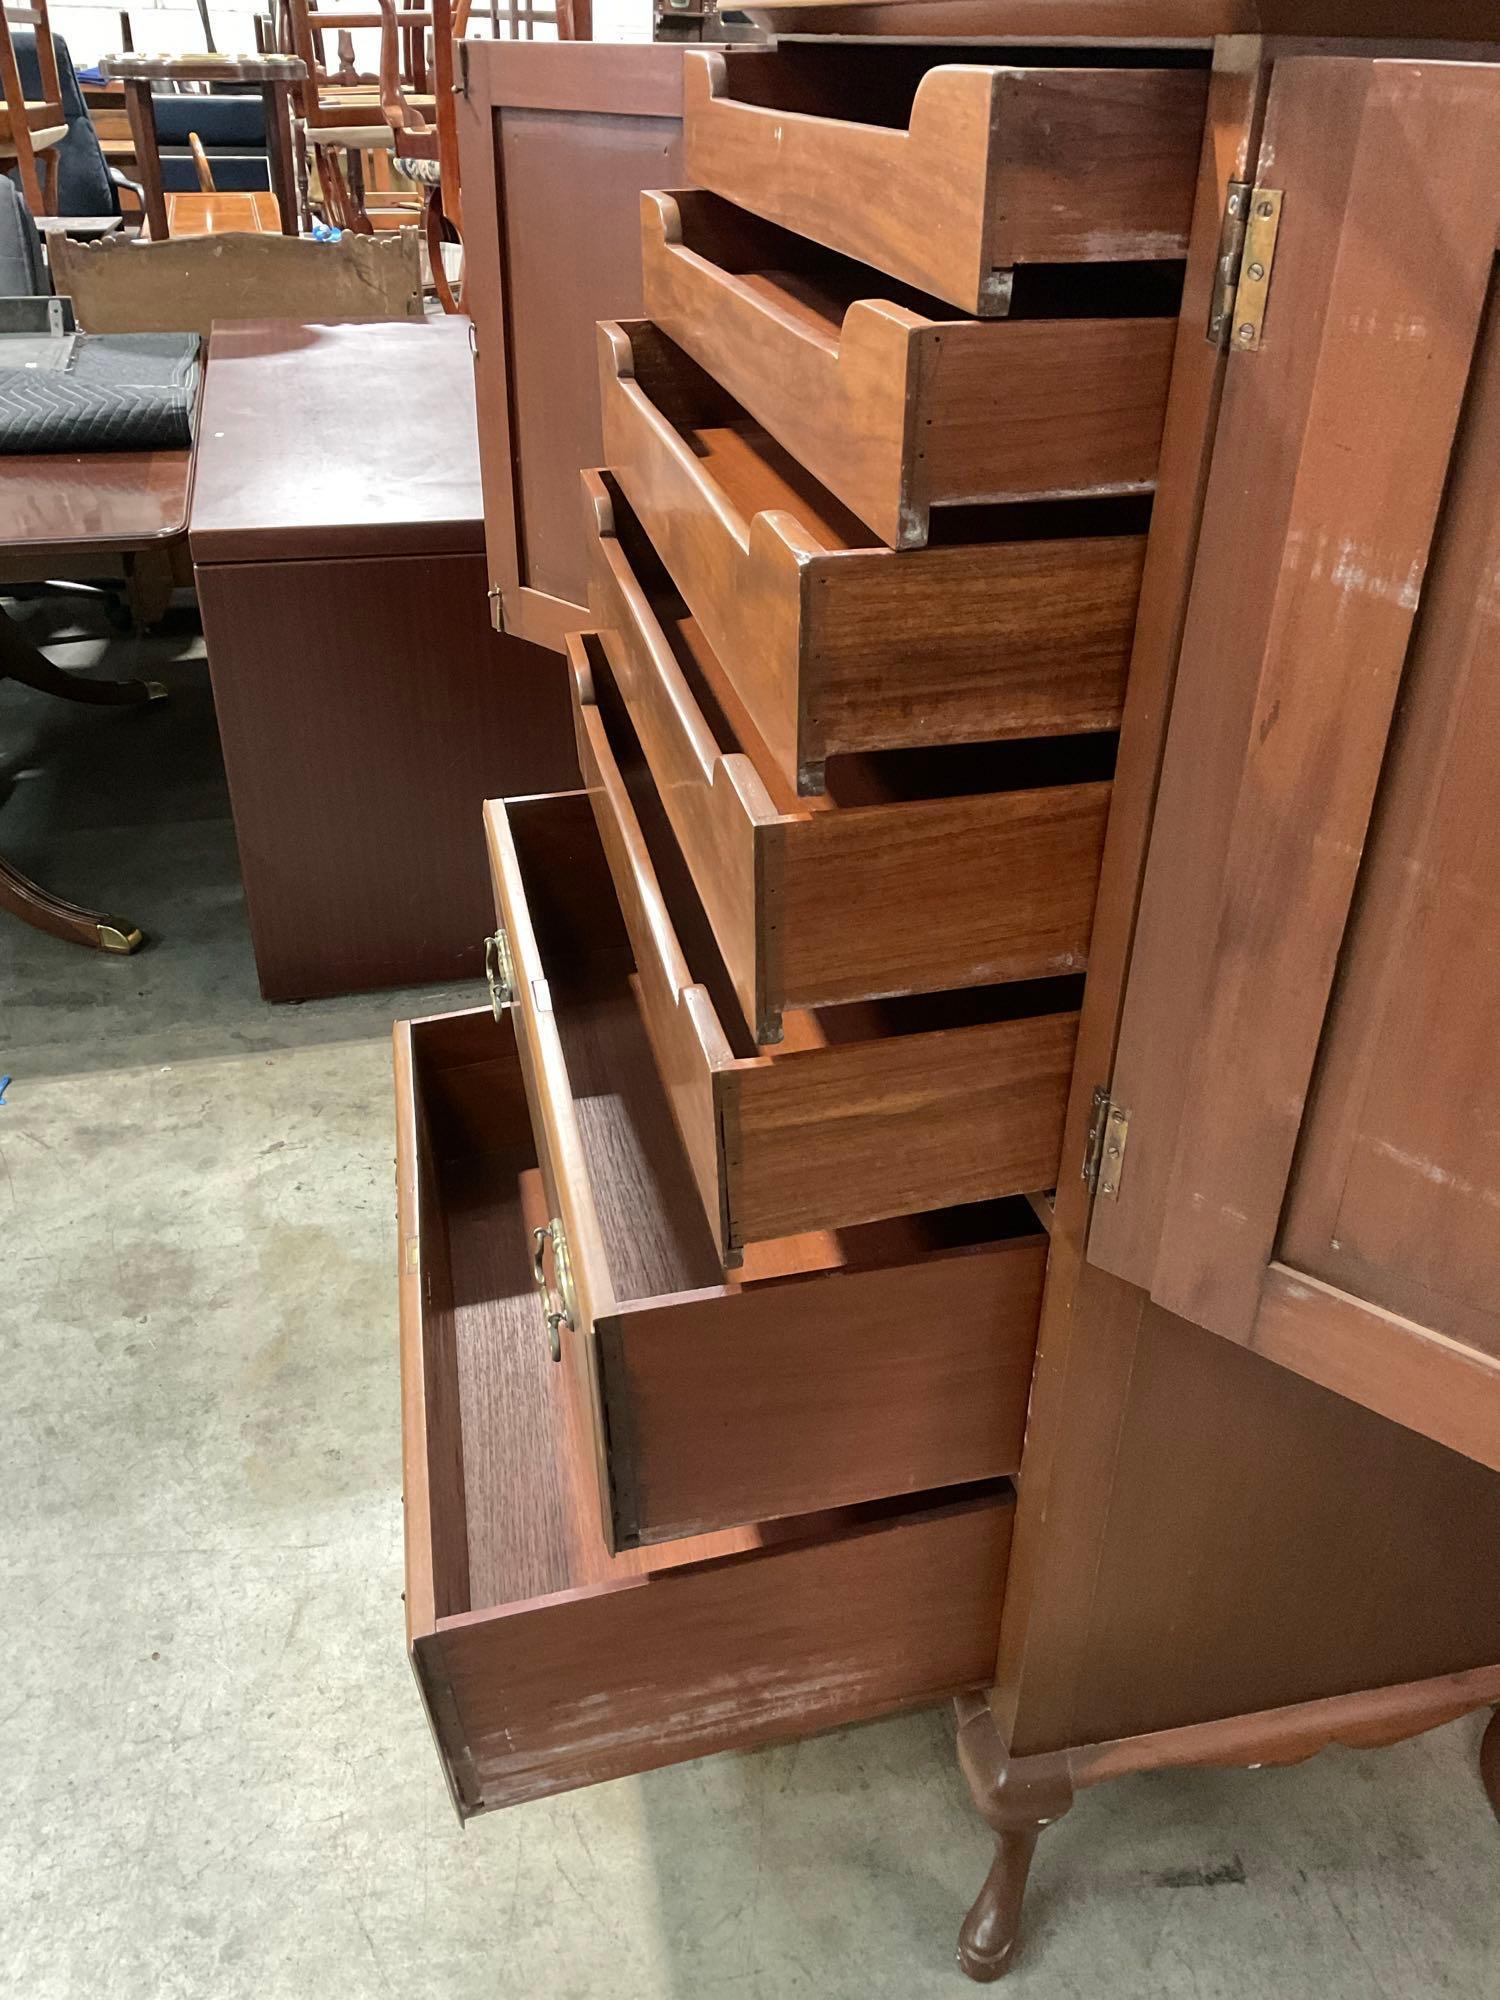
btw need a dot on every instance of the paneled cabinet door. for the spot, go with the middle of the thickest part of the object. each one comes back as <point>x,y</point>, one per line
<point>1308,1073</point>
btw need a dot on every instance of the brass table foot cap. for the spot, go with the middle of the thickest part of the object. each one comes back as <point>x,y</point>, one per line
<point>111,938</point>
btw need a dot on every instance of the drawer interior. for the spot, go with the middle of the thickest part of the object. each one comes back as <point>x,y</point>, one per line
<point>657,1239</point>
<point>510,1472</point>
<point>850,779</point>
<point>800,279</point>
<point>876,85</point>
<point>544,1661</point>
<point>755,475</point>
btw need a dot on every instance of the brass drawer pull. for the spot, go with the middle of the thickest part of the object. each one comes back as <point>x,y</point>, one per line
<point>499,973</point>
<point>561,1315</point>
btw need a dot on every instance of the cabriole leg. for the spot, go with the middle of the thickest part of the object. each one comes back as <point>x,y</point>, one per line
<point>1489,1762</point>
<point>1017,1798</point>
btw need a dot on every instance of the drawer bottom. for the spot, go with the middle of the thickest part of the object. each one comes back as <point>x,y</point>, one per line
<point>545,1662</point>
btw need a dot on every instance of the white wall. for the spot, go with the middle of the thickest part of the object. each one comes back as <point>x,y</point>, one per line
<point>167,27</point>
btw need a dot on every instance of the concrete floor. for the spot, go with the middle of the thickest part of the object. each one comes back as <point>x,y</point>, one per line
<point>217,1778</point>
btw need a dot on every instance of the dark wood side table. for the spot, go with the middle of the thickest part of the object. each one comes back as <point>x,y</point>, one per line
<point>366,706</point>
<point>276,76</point>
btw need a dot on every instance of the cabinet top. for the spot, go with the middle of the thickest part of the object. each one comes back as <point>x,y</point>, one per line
<point>1159,21</point>
<point>341,439</point>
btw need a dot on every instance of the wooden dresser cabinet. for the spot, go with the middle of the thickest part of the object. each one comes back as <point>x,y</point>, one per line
<point>1027,588</point>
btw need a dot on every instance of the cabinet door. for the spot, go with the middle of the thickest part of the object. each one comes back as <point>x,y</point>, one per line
<point>1309,1062</point>
<point>557,141</point>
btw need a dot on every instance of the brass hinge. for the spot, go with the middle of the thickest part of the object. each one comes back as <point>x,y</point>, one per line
<point>1242,279</point>
<point>499,972</point>
<point>1104,1155</point>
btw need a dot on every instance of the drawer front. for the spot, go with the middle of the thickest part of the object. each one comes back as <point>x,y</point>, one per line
<point>789,1396</point>
<point>987,167</point>
<point>817,904</point>
<point>833,644</point>
<point>856,1117</point>
<point>830,1371</point>
<point>897,413</point>
<point>724,1656</point>
<point>545,1662</point>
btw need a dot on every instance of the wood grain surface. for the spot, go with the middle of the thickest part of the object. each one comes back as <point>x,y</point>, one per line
<point>366,710</point>
<point>825,1325</point>
<point>784,1397</point>
<point>721,1655</point>
<point>819,902</point>
<point>556,140</point>
<point>899,407</point>
<point>289,465</point>
<point>1271,768</point>
<point>862,1112</point>
<point>1163,22</point>
<point>834,645</point>
<point>108,500</point>
<point>1393,1197</point>
<point>989,167</point>
<point>544,1661</point>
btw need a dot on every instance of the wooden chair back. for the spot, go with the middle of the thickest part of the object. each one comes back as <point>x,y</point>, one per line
<point>328,101</point>
<point>31,129</point>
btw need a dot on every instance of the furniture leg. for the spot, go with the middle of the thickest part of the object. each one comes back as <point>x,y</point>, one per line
<point>147,157</point>
<point>335,193</point>
<point>359,215</point>
<point>23,662</point>
<point>1017,1797</point>
<point>51,165</point>
<point>31,185</point>
<point>45,912</point>
<point>1489,1762</point>
<point>276,98</point>
<point>437,235</point>
<point>149,583</point>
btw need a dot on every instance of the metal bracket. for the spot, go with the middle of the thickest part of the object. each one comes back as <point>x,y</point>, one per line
<point>1247,253</point>
<point>37,333</point>
<point>1104,1153</point>
<point>499,972</point>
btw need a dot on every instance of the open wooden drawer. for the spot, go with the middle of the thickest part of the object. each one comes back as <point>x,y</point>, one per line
<point>544,1661</point>
<point>835,643</point>
<point>831,1368</point>
<point>916,871</point>
<point>948,174</point>
<point>864,1112</point>
<point>892,402</point>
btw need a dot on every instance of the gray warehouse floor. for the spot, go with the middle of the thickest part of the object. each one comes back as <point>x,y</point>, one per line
<point>217,1778</point>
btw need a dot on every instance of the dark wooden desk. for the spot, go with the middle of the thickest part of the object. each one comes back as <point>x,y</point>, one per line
<point>120,502</point>
<point>366,705</point>
<point>81,516</point>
